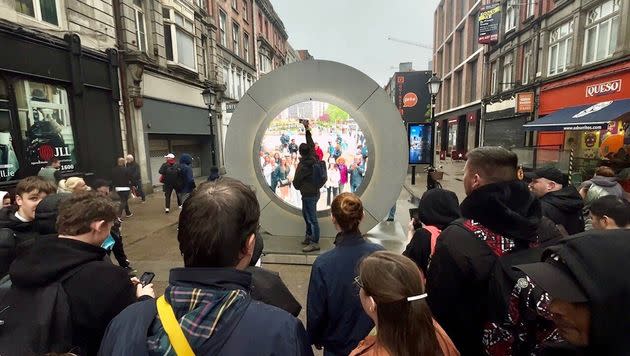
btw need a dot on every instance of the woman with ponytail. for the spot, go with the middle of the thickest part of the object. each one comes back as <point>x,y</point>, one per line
<point>393,296</point>
<point>335,319</point>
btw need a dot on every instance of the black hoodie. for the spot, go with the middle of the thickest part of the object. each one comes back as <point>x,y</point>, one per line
<point>96,293</point>
<point>458,276</point>
<point>13,233</point>
<point>564,207</point>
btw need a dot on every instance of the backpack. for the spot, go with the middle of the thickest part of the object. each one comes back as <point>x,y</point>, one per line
<point>435,233</point>
<point>173,176</point>
<point>320,174</point>
<point>36,320</point>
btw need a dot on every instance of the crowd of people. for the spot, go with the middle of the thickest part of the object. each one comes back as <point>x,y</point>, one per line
<point>508,271</point>
<point>346,158</point>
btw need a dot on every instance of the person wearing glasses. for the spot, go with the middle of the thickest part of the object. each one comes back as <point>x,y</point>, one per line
<point>393,296</point>
<point>335,320</point>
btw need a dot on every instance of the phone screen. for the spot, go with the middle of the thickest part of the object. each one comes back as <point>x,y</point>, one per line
<point>146,278</point>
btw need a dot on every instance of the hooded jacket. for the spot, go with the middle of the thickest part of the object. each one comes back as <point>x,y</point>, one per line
<point>564,207</point>
<point>302,180</point>
<point>599,186</point>
<point>185,162</point>
<point>598,260</point>
<point>96,293</point>
<point>245,328</point>
<point>13,233</point>
<point>439,208</point>
<point>459,272</point>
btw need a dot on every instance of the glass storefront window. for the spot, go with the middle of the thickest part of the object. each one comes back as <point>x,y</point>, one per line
<point>9,164</point>
<point>44,122</point>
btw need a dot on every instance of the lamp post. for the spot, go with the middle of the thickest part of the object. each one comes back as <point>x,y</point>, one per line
<point>434,84</point>
<point>209,98</point>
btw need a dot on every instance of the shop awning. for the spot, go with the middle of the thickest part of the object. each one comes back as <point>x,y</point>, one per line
<point>585,117</point>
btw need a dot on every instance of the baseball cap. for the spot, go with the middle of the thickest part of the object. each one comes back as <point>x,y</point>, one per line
<point>170,155</point>
<point>555,278</point>
<point>553,174</point>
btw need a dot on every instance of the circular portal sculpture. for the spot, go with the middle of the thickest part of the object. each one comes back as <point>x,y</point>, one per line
<point>342,86</point>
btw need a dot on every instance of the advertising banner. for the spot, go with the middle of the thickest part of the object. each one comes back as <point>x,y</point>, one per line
<point>419,136</point>
<point>412,96</point>
<point>489,23</point>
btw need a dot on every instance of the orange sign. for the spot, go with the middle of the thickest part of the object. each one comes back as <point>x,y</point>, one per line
<point>525,102</point>
<point>410,100</point>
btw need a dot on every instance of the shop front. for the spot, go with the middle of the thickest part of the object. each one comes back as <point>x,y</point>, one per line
<point>586,117</point>
<point>62,102</point>
<point>175,121</point>
<point>458,133</point>
<point>503,125</point>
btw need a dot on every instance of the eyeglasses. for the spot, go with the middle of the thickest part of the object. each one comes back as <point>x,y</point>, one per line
<point>357,282</point>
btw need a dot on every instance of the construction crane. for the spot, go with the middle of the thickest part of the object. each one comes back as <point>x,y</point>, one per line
<point>394,39</point>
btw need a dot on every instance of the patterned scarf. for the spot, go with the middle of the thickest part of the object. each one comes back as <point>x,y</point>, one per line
<point>206,316</point>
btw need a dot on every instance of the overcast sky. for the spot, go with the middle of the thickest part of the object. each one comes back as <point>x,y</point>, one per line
<point>355,32</point>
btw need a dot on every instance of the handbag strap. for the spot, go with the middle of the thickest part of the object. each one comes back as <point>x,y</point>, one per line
<point>173,330</point>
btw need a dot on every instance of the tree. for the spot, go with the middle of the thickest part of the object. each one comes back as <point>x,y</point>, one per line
<point>336,115</point>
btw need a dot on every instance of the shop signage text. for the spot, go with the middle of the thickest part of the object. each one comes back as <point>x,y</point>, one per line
<point>525,102</point>
<point>489,23</point>
<point>613,86</point>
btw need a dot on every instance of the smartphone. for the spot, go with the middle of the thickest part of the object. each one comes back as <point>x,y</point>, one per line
<point>146,278</point>
<point>414,213</point>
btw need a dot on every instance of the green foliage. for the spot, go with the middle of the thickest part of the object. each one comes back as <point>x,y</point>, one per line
<point>336,115</point>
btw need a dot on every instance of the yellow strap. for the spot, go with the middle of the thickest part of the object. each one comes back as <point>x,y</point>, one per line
<point>173,330</point>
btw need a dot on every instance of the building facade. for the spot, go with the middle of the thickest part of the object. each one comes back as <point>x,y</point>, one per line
<point>458,61</point>
<point>561,54</point>
<point>63,101</point>
<point>271,37</point>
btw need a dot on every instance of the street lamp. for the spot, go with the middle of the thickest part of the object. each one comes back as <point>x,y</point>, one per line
<point>434,84</point>
<point>209,98</point>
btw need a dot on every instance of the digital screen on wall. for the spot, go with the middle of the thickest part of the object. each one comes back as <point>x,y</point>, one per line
<point>420,137</point>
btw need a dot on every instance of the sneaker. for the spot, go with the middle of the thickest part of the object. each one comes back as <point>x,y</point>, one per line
<point>180,207</point>
<point>167,210</point>
<point>311,247</point>
<point>307,240</point>
<point>129,215</point>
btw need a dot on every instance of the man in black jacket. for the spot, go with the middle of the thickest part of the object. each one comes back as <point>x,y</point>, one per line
<point>559,200</point>
<point>121,180</point>
<point>136,178</point>
<point>303,181</point>
<point>98,290</point>
<point>585,276</point>
<point>500,215</point>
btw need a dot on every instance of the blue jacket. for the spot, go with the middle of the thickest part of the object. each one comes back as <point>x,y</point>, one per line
<point>262,329</point>
<point>185,162</point>
<point>356,175</point>
<point>335,317</point>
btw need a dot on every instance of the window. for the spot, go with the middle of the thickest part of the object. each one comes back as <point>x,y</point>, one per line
<point>457,83</point>
<point>204,56</point>
<point>472,69</point>
<point>494,80</point>
<point>511,14</point>
<point>236,36</point>
<point>474,44</point>
<point>560,46</point>
<point>462,46</point>
<point>235,4</point>
<point>179,39</point>
<point>260,21</point>
<point>266,29</point>
<point>602,29</point>
<point>246,47</point>
<point>41,10</point>
<point>527,60</point>
<point>245,10</point>
<point>141,31</point>
<point>222,30</point>
<point>508,69</point>
<point>530,7</point>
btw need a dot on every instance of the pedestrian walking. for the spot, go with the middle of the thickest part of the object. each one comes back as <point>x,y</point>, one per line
<point>171,180</point>
<point>357,171</point>
<point>122,182</point>
<point>187,177</point>
<point>332,184</point>
<point>136,178</point>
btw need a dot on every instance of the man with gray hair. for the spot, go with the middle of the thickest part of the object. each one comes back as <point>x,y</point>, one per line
<point>136,178</point>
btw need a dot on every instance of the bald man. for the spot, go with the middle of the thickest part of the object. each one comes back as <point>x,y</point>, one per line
<point>136,179</point>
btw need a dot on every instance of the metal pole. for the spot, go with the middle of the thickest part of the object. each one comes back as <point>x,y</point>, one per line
<point>432,155</point>
<point>413,175</point>
<point>212,143</point>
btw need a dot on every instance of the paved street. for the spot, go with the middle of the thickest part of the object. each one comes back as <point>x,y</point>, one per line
<point>151,236</point>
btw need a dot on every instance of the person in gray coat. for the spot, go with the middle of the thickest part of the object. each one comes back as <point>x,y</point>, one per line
<point>603,183</point>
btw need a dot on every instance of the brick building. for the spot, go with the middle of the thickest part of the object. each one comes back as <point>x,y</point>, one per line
<point>458,61</point>
<point>271,37</point>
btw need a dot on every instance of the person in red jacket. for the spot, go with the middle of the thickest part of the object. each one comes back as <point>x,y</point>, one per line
<point>319,152</point>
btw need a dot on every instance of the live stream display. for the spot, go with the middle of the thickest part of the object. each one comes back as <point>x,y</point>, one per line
<point>339,142</point>
<point>419,143</point>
